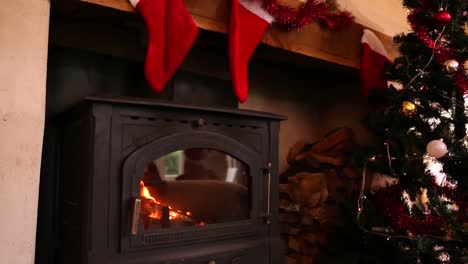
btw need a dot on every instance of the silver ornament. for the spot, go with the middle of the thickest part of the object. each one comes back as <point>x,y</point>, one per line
<point>451,66</point>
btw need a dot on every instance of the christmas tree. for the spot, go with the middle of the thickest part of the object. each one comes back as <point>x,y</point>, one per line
<point>420,213</point>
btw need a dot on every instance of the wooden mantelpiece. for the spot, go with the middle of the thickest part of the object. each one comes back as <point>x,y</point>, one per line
<point>342,48</point>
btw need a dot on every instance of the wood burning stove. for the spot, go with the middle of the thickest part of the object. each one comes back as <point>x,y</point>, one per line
<point>144,182</point>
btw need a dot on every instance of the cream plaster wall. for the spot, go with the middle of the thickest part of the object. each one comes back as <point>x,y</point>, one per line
<point>24,26</point>
<point>386,16</point>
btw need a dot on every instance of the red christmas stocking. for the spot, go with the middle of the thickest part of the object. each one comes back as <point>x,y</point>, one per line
<point>374,58</point>
<point>171,34</point>
<point>247,24</point>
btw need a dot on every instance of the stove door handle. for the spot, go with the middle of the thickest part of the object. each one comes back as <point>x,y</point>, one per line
<point>135,216</point>
<point>267,172</point>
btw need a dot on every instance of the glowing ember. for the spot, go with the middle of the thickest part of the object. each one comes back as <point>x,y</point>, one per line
<point>157,207</point>
<point>156,215</point>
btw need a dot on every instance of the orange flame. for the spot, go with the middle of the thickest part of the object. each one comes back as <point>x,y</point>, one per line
<point>144,192</point>
<point>157,214</point>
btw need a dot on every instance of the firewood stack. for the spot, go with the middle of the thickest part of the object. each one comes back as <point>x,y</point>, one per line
<point>320,179</point>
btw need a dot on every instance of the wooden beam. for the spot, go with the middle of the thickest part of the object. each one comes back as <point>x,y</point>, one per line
<point>342,47</point>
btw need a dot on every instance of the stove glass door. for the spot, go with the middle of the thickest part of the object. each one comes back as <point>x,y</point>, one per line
<point>194,187</point>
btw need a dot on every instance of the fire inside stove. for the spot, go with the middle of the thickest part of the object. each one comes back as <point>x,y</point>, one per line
<point>194,187</point>
<point>158,212</point>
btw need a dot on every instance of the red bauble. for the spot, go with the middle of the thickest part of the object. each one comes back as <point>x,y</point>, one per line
<point>442,17</point>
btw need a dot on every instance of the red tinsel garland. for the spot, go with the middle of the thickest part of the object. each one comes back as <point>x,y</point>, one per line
<point>390,204</point>
<point>306,13</point>
<point>442,53</point>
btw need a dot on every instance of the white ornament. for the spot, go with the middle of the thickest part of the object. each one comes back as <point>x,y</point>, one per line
<point>436,149</point>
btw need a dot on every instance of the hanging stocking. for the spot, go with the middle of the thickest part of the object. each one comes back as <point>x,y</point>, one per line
<point>374,59</point>
<point>171,34</point>
<point>247,24</point>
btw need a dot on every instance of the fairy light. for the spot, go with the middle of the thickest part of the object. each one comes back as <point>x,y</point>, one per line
<point>379,231</point>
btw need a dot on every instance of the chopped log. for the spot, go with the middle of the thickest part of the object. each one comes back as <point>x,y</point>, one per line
<point>312,239</point>
<point>305,259</point>
<point>284,188</point>
<point>326,211</point>
<point>294,243</point>
<point>289,206</point>
<point>285,196</point>
<point>325,159</point>
<point>289,217</point>
<point>290,260</point>
<point>295,150</point>
<point>344,146</point>
<point>311,250</point>
<point>333,139</point>
<point>325,178</point>
<point>296,169</point>
<point>284,203</point>
<point>334,182</point>
<point>315,199</point>
<point>324,215</point>
<point>293,179</point>
<point>314,227</point>
<point>307,220</point>
<point>341,148</point>
<point>307,184</point>
<point>311,162</point>
<point>330,150</point>
<point>320,237</point>
<point>317,214</point>
<point>293,231</point>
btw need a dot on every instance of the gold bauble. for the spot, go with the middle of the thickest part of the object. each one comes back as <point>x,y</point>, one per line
<point>408,108</point>
<point>451,66</point>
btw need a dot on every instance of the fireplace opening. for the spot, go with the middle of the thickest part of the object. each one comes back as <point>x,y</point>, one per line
<point>194,187</point>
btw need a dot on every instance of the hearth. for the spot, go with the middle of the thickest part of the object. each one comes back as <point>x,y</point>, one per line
<point>149,182</point>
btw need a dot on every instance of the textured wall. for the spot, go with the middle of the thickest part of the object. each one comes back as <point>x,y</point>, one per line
<point>23,55</point>
<point>386,16</point>
<point>314,101</point>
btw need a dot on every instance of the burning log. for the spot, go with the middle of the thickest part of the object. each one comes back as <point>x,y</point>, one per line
<point>220,201</point>
<point>153,209</point>
<point>186,206</point>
